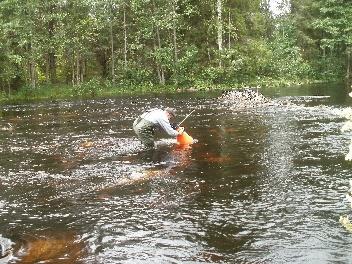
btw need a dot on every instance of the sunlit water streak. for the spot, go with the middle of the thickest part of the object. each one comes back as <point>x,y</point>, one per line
<point>260,185</point>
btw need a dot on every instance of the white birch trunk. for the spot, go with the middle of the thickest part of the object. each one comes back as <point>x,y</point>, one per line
<point>175,40</point>
<point>160,69</point>
<point>229,28</point>
<point>77,69</point>
<point>112,54</point>
<point>73,69</point>
<point>125,36</point>
<point>83,69</point>
<point>348,73</point>
<point>219,26</point>
<point>162,75</point>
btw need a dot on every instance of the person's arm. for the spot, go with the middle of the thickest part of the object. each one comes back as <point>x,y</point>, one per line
<point>166,126</point>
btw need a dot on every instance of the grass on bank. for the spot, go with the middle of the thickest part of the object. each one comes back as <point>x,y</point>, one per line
<point>97,89</point>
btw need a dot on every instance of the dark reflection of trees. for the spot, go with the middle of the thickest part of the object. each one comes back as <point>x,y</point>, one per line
<point>336,91</point>
<point>228,155</point>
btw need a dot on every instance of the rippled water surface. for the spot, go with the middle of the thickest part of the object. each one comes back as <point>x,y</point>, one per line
<point>260,185</point>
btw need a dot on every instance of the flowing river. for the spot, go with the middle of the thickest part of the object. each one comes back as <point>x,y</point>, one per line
<point>259,185</point>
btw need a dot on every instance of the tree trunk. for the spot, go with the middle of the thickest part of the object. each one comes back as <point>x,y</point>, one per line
<point>52,67</point>
<point>229,29</point>
<point>73,71</point>
<point>47,74</point>
<point>208,49</point>
<point>175,41</point>
<point>161,73</point>
<point>31,67</point>
<point>158,70</point>
<point>9,86</point>
<point>348,69</point>
<point>112,54</point>
<point>51,53</point>
<point>77,69</point>
<point>83,69</point>
<point>125,37</point>
<point>219,27</point>
<point>32,73</point>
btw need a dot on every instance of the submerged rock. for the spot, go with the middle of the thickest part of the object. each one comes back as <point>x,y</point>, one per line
<point>345,221</point>
<point>5,248</point>
<point>8,127</point>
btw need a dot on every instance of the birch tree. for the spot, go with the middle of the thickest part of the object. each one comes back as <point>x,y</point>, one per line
<point>219,29</point>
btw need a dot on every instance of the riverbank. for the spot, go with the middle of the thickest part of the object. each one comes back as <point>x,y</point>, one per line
<point>97,89</point>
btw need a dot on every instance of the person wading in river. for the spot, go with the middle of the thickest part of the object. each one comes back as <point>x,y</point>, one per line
<point>146,124</point>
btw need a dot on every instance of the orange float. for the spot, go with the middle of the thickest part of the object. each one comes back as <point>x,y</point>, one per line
<point>184,139</point>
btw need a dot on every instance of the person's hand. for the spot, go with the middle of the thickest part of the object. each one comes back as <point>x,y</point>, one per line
<point>174,126</point>
<point>180,130</point>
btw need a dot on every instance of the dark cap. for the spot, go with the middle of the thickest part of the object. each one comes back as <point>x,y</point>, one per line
<point>171,111</point>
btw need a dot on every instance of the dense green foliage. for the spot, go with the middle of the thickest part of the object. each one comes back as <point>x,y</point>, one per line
<point>87,44</point>
<point>324,34</point>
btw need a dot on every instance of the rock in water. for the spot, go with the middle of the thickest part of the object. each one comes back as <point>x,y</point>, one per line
<point>242,98</point>
<point>5,247</point>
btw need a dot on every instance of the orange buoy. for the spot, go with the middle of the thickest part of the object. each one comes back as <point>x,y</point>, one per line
<point>184,139</point>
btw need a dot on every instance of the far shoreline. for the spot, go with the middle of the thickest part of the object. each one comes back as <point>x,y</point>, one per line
<point>97,90</point>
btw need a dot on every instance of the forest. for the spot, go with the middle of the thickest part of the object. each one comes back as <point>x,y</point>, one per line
<point>88,45</point>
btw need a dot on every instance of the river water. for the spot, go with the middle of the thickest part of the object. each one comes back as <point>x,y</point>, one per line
<point>259,185</point>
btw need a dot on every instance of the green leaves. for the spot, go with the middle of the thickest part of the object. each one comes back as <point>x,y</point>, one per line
<point>158,41</point>
<point>324,26</point>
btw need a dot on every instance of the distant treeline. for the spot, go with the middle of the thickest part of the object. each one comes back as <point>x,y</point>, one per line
<point>171,42</point>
